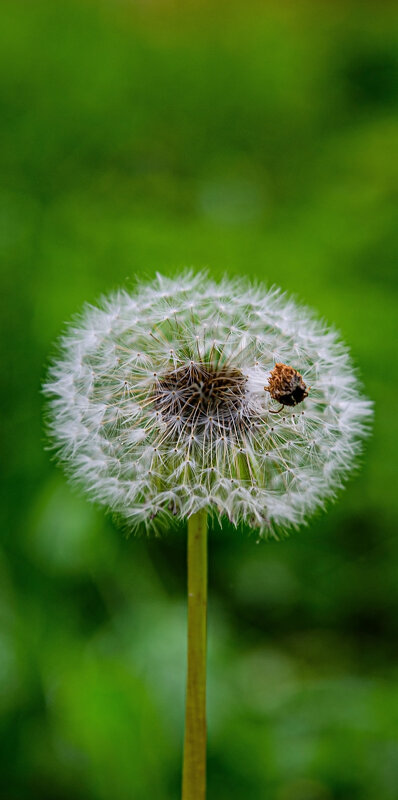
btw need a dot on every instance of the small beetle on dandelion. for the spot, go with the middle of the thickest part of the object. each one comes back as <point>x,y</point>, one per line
<point>287,386</point>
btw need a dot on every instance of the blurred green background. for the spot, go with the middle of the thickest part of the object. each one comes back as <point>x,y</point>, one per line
<point>259,139</point>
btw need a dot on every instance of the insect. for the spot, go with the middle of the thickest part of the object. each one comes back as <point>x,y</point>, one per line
<point>287,386</point>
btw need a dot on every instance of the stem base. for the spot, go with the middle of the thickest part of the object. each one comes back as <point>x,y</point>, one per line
<point>194,765</point>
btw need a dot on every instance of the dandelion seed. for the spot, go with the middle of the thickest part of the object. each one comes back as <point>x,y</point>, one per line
<point>188,366</point>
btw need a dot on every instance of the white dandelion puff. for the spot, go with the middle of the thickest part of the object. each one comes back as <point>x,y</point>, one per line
<point>192,395</point>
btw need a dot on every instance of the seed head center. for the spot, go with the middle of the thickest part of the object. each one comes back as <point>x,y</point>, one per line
<point>197,392</point>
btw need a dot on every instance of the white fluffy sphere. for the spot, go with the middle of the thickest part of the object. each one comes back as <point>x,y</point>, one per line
<point>160,404</point>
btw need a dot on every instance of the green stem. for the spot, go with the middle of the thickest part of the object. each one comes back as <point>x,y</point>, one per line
<point>194,766</point>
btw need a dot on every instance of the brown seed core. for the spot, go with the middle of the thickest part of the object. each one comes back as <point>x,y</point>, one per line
<point>197,392</point>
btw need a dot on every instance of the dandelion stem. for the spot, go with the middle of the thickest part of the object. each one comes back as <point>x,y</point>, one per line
<point>194,766</point>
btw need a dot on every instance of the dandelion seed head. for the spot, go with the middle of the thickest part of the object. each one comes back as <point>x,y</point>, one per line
<point>191,394</point>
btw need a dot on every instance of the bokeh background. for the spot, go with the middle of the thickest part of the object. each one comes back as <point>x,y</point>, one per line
<point>259,139</point>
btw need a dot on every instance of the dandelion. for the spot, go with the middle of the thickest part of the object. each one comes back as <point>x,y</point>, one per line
<point>191,398</point>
